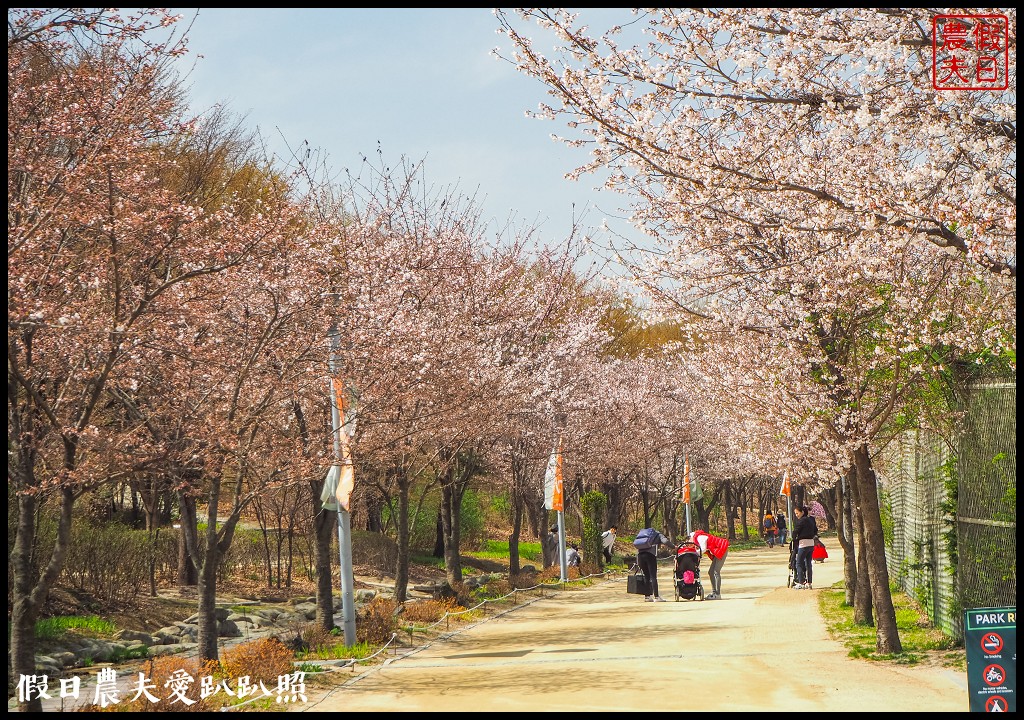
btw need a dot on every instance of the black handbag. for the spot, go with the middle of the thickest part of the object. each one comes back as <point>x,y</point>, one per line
<point>636,584</point>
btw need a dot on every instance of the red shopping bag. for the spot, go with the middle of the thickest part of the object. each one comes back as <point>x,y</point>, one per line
<point>819,553</point>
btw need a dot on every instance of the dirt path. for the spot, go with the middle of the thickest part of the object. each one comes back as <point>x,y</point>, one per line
<point>762,647</point>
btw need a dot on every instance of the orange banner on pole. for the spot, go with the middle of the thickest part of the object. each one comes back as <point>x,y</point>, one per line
<point>346,472</point>
<point>686,479</point>
<point>784,490</point>
<point>553,480</point>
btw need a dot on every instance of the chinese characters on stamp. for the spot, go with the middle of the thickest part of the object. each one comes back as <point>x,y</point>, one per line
<point>970,52</point>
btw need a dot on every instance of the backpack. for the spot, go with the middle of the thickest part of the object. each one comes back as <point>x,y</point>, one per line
<point>769,524</point>
<point>646,539</point>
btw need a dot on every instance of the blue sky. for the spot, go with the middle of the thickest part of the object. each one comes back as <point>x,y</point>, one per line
<point>420,82</point>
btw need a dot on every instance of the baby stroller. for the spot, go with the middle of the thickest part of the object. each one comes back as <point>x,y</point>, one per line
<point>686,576</point>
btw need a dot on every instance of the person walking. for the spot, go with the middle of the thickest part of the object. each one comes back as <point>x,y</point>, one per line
<point>647,559</point>
<point>549,547</point>
<point>608,543</point>
<point>780,524</point>
<point>805,530</point>
<point>769,528</point>
<point>716,548</point>
<point>572,556</point>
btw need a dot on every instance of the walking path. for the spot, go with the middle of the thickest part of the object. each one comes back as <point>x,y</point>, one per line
<point>762,647</point>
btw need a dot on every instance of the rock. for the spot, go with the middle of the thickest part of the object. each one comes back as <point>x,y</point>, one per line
<point>63,658</point>
<point>221,613</point>
<point>46,665</point>
<point>239,617</point>
<point>245,627</point>
<point>162,650</point>
<point>106,651</point>
<point>363,595</point>
<point>227,628</point>
<point>306,610</point>
<point>137,635</point>
<point>168,638</point>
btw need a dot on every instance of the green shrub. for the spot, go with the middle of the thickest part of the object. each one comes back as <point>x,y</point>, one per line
<point>55,627</point>
<point>472,518</point>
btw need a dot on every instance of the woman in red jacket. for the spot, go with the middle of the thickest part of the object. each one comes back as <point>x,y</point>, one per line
<point>716,548</point>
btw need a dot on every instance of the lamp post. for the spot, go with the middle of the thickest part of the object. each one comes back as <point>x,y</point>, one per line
<point>687,492</point>
<point>563,565</point>
<point>348,609</point>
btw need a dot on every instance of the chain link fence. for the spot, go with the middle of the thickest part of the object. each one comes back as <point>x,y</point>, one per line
<point>950,513</point>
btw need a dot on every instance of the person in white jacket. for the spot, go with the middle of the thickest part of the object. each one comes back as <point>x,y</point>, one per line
<point>608,542</point>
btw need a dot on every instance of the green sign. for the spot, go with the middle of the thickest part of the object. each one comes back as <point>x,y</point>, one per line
<point>990,637</point>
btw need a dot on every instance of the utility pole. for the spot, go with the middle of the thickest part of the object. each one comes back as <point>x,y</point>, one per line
<point>348,604</point>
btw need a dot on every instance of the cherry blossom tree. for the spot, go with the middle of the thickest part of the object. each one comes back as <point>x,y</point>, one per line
<point>802,215</point>
<point>445,330</point>
<point>146,310</point>
<point>93,241</point>
<point>743,112</point>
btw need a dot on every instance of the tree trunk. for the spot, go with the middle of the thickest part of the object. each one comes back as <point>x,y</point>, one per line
<point>513,538</point>
<point>887,636</point>
<point>439,535</point>
<point>669,507</point>
<point>402,531</point>
<point>743,514</point>
<point>323,530</point>
<point>373,510</point>
<point>188,575</point>
<point>829,496</point>
<point>844,534</point>
<point>154,537</point>
<point>519,475</point>
<point>261,519</point>
<point>536,514</point>
<point>616,504</point>
<point>730,511</point>
<point>30,591</point>
<point>862,613</point>
<point>208,597</point>
<point>450,522</point>
<point>291,556</point>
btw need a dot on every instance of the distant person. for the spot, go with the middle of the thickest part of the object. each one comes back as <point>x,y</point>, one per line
<point>647,543</point>
<point>716,548</point>
<point>780,523</point>
<point>769,528</point>
<point>608,543</point>
<point>805,531</point>
<point>549,547</point>
<point>572,556</point>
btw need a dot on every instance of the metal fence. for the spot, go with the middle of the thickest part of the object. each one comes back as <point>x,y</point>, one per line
<point>952,562</point>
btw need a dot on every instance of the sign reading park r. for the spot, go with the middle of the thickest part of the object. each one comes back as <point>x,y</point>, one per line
<point>990,635</point>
